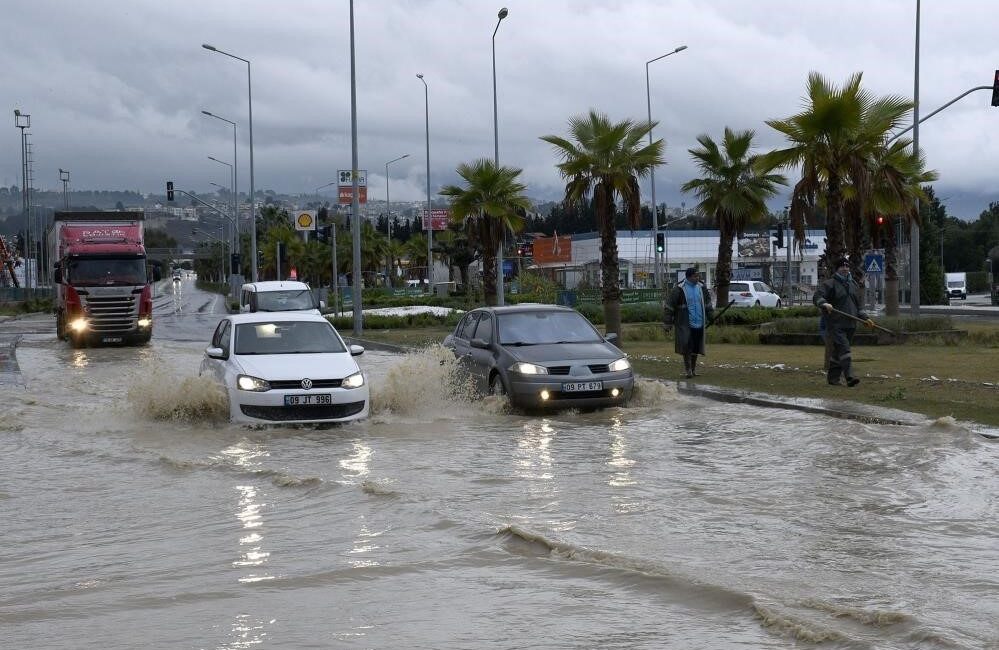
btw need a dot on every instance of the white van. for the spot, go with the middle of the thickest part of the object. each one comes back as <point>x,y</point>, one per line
<point>957,285</point>
<point>280,295</point>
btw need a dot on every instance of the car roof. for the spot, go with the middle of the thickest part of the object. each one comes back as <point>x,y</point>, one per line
<point>276,316</point>
<point>274,285</point>
<point>525,307</point>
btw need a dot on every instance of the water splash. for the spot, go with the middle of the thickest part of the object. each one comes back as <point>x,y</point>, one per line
<point>425,381</point>
<point>191,399</point>
<point>652,393</point>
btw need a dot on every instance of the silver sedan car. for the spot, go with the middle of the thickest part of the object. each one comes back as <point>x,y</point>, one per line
<point>542,357</point>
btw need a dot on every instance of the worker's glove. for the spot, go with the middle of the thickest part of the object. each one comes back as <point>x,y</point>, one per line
<point>869,323</point>
<point>828,307</point>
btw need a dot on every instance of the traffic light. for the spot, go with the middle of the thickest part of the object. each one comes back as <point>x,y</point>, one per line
<point>779,236</point>
<point>323,234</point>
<point>660,242</point>
<point>169,190</point>
<point>234,264</point>
<point>995,89</point>
<point>879,220</point>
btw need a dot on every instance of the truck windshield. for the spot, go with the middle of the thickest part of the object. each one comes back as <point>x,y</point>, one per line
<point>104,271</point>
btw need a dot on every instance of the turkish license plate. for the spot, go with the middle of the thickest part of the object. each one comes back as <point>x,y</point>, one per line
<point>111,339</point>
<point>312,399</point>
<point>582,386</point>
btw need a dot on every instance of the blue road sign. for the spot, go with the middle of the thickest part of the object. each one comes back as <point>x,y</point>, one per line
<point>874,263</point>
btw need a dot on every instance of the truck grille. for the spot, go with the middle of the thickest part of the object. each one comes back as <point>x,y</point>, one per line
<point>112,314</point>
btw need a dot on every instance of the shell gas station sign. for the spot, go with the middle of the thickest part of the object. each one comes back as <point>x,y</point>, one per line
<point>304,219</point>
<point>345,186</point>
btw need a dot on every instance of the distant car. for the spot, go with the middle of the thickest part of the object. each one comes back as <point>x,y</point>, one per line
<point>286,368</point>
<point>752,294</point>
<point>280,295</point>
<point>541,357</point>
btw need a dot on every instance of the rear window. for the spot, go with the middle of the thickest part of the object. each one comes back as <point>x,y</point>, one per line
<point>738,286</point>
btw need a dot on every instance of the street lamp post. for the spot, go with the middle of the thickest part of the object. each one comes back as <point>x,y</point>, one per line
<point>914,228</point>
<point>253,203</point>
<point>231,191</point>
<point>500,300</point>
<point>64,177</point>
<point>355,202</point>
<point>666,225</point>
<point>235,174</point>
<point>429,221</point>
<point>388,216</point>
<point>657,275</point>
<point>23,121</point>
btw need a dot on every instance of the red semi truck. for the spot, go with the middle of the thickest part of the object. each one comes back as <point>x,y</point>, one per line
<point>103,290</point>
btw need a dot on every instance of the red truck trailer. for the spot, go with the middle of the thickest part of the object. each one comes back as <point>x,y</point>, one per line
<point>103,290</point>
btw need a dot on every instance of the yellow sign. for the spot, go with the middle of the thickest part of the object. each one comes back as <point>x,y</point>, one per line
<point>305,220</point>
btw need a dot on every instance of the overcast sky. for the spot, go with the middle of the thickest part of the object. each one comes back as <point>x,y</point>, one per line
<point>115,89</point>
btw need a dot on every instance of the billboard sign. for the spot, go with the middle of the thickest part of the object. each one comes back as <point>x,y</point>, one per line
<point>553,249</point>
<point>345,186</point>
<point>438,219</point>
<point>754,244</point>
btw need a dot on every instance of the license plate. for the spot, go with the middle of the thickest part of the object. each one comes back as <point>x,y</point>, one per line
<point>582,386</point>
<point>312,399</point>
<point>111,339</point>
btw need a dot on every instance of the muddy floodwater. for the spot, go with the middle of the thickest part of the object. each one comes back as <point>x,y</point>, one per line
<point>133,517</point>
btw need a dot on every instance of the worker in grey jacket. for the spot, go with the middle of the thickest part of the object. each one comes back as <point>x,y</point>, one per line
<point>840,298</point>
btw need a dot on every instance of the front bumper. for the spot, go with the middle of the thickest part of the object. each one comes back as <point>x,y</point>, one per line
<point>525,391</point>
<point>248,407</point>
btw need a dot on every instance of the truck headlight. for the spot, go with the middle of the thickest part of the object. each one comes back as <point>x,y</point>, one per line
<point>246,382</point>
<point>355,380</point>
<point>78,324</point>
<point>528,368</point>
<point>145,322</point>
<point>620,364</point>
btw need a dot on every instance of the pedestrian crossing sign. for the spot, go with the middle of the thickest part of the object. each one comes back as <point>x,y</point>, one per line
<point>874,263</point>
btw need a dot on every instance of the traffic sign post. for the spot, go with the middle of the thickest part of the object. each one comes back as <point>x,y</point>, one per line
<point>874,266</point>
<point>874,263</point>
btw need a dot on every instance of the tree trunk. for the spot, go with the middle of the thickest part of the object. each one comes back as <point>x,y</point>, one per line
<point>835,236</point>
<point>610,290</point>
<point>489,275</point>
<point>891,271</point>
<point>723,270</point>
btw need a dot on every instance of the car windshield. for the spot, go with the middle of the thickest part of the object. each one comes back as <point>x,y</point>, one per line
<point>540,327</point>
<point>955,284</point>
<point>287,337</point>
<point>104,271</point>
<point>288,300</point>
<point>738,286</point>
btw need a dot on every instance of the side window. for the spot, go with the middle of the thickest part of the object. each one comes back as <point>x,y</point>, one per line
<point>244,298</point>
<point>468,326</point>
<point>759,286</point>
<point>484,330</point>
<point>226,337</point>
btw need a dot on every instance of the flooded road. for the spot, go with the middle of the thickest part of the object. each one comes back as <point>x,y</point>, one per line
<point>134,517</point>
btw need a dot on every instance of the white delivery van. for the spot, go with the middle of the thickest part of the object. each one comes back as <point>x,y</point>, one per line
<point>957,285</point>
<point>279,295</point>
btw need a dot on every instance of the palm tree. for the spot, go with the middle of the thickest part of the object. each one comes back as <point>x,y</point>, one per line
<point>487,207</point>
<point>732,192</point>
<point>416,250</point>
<point>833,140</point>
<point>605,161</point>
<point>894,181</point>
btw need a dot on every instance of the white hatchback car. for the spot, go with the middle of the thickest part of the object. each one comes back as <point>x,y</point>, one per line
<point>286,368</point>
<point>752,294</point>
<point>278,295</point>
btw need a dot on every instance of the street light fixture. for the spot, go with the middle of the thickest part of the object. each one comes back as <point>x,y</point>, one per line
<point>657,274</point>
<point>388,216</point>
<point>253,203</point>
<point>503,13</point>
<point>64,177</point>
<point>429,221</point>
<point>235,170</point>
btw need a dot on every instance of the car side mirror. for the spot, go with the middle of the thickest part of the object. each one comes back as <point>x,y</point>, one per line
<point>356,350</point>
<point>215,353</point>
<point>611,337</point>
<point>479,343</point>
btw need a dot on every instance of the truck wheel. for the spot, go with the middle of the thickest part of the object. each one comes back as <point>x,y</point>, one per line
<point>60,326</point>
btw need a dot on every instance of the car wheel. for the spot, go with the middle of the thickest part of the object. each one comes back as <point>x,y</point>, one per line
<point>496,386</point>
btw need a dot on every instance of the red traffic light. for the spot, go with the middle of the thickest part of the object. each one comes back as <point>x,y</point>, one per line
<point>880,220</point>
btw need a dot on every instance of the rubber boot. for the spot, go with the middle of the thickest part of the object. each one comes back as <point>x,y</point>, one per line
<point>693,365</point>
<point>687,371</point>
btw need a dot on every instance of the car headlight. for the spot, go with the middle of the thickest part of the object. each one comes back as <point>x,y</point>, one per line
<point>355,380</point>
<point>246,382</point>
<point>528,369</point>
<point>620,364</point>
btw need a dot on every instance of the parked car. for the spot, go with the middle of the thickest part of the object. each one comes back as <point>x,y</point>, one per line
<point>752,294</point>
<point>541,357</point>
<point>280,295</point>
<point>286,368</point>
